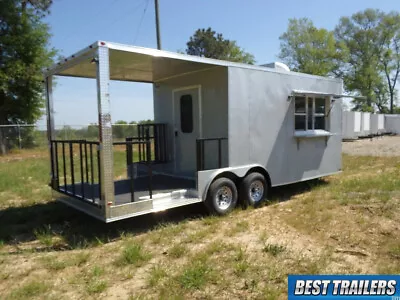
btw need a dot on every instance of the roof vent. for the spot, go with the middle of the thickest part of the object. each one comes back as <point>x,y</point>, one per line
<point>278,66</point>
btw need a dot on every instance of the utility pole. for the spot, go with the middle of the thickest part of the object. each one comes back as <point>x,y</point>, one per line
<point>157,25</point>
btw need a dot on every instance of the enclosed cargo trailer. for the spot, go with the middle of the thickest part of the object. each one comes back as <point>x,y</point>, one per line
<point>351,125</point>
<point>392,124</point>
<point>365,124</point>
<point>224,133</point>
<point>377,124</point>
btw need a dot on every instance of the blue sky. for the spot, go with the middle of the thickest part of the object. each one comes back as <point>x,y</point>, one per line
<point>255,24</point>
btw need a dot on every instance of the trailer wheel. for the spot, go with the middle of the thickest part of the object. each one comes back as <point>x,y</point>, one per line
<point>222,196</point>
<point>253,189</point>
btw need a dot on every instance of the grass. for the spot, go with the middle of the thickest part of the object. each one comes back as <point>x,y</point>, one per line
<point>29,290</point>
<point>185,254</point>
<point>195,275</point>
<point>44,235</point>
<point>96,286</point>
<point>55,263</point>
<point>133,254</point>
<point>178,250</point>
<point>157,274</point>
<point>274,249</point>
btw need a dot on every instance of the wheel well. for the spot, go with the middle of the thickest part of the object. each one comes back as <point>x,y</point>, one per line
<point>261,171</point>
<point>229,175</point>
<point>237,180</point>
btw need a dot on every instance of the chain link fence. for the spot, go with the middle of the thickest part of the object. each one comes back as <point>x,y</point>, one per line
<point>35,136</point>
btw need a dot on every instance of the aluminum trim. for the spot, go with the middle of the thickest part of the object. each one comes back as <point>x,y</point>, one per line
<point>317,93</point>
<point>105,131</point>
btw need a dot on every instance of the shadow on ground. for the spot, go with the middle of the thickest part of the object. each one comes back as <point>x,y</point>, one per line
<point>25,224</point>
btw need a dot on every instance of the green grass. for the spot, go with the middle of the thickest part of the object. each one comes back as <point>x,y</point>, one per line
<point>156,275</point>
<point>29,290</point>
<point>178,250</point>
<point>96,286</point>
<point>133,254</point>
<point>274,249</point>
<point>54,263</point>
<point>44,235</point>
<point>20,180</point>
<point>195,275</point>
<point>247,254</point>
<point>240,262</point>
<point>394,251</point>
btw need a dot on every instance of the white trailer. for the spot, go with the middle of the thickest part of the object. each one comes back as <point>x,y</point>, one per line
<point>392,124</point>
<point>351,125</point>
<point>377,124</point>
<point>365,124</point>
<point>224,133</point>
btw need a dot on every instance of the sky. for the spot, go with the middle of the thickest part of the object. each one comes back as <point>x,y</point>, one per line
<point>255,24</point>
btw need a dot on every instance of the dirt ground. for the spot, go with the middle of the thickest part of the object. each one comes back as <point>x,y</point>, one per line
<point>380,146</point>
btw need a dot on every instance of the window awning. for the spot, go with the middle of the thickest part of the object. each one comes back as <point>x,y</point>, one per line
<point>324,94</point>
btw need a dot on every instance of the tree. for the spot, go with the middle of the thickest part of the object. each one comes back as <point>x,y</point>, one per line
<point>24,40</point>
<point>390,56</point>
<point>307,49</point>
<point>208,43</point>
<point>361,33</point>
<point>119,131</point>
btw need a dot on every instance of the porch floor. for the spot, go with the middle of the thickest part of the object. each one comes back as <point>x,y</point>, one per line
<point>160,184</point>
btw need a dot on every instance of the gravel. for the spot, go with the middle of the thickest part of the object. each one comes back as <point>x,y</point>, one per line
<point>378,146</point>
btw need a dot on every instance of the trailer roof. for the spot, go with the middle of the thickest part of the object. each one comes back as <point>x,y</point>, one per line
<point>132,63</point>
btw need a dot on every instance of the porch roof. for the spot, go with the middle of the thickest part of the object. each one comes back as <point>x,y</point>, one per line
<point>132,63</point>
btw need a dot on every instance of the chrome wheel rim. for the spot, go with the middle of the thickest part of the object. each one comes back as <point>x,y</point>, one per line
<point>256,191</point>
<point>223,198</point>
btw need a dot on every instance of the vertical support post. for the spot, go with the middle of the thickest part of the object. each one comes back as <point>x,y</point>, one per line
<point>86,164</point>
<point>105,131</point>
<point>64,166</point>
<point>56,161</point>
<point>129,163</point>
<point>50,128</point>
<point>92,172</point>
<point>202,155</point>
<point>19,136</point>
<point>81,170</point>
<point>219,154</point>
<point>198,155</point>
<point>148,158</point>
<point>71,160</point>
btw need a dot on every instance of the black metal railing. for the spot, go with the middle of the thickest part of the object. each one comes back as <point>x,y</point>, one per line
<point>144,157</point>
<point>157,133</point>
<point>88,169</point>
<point>200,151</point>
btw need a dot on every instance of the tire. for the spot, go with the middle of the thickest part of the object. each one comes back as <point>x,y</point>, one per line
<point>253,190</point>
<point>222,196</point>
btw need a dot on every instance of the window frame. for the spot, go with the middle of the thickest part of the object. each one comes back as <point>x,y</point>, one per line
<point>313,114</point>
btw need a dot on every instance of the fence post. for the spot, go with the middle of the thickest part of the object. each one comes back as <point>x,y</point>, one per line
<point>19,136</point>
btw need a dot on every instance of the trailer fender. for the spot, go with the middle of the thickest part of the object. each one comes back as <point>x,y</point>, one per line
<point>205,178</point>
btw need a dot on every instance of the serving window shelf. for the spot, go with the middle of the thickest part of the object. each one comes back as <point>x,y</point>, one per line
<point>307,134</point>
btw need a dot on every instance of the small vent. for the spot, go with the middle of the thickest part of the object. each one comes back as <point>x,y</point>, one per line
<point>277,66</point>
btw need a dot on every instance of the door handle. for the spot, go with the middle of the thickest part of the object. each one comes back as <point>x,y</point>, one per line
<point>176,133</point>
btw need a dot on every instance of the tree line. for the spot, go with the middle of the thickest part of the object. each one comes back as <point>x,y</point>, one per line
<point>363,50</point>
